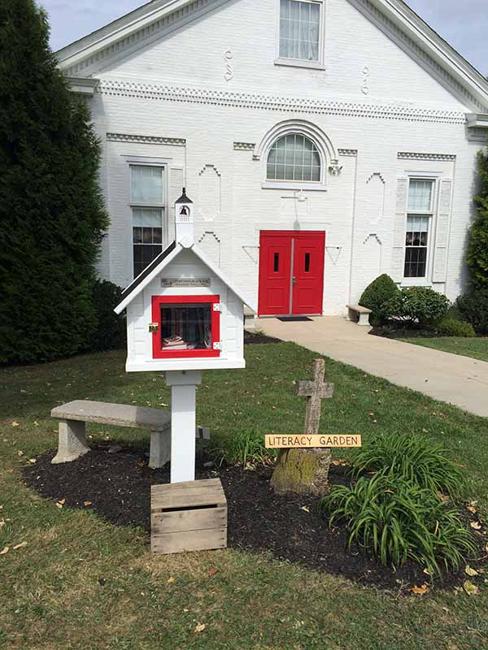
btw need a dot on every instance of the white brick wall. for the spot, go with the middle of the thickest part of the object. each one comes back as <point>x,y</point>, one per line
<point>364,69</point>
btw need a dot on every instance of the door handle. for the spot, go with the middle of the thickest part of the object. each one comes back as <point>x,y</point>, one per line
<point>293,280</point>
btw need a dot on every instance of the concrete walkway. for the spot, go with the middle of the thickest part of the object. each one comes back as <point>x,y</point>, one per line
<point>447,377</point>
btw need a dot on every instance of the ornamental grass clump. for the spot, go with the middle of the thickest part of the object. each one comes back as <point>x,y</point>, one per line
<point>243,447</point>
<point>412,458</point>
<point>396,520</point>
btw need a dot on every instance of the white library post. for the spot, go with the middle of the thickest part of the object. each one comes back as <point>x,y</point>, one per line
<point>183,423</point>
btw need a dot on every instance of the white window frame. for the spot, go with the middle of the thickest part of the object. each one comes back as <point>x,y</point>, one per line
<point>285,184</point>
<point>141,161</point>
<point>303,63</point>
<point>425,280</point>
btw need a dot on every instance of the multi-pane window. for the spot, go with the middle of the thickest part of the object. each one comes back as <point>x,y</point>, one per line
<point>148,214</point>
<point>419,225</point>
<point>300,30</point>
<point>294,157</point>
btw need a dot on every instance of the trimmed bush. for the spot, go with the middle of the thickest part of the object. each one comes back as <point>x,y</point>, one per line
<point>51,210</point>
<point>453,327</point>
<point>377,295</point>
<point>413,458</point>
<point>110,333</point>
<point>419,306</point>
<point>474,308</point>
<point>395,520</point>
<point>477,256</point>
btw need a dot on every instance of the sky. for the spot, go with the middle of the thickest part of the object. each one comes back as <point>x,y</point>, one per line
<point>463,24</point>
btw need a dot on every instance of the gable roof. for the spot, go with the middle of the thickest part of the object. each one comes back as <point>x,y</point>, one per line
<point>163,16</point>
<point>161,261</point>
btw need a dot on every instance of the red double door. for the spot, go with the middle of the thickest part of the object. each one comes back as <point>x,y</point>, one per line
<point>291,272</point>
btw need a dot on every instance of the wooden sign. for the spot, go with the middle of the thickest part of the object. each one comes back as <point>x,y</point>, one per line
<point>303,441</point>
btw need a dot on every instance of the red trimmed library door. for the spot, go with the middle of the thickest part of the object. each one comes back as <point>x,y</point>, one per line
<point>291,272</point>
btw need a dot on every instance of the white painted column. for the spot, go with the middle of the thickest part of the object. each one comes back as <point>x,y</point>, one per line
<point>183,423</point>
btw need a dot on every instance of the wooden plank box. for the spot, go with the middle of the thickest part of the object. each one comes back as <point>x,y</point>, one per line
<point>188,516</point>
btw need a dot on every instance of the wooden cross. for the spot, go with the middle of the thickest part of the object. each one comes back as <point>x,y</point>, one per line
<point>316,391</point>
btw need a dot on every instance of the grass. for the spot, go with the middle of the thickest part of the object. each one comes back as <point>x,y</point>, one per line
<point>83,583</point>
<point>477,348</point>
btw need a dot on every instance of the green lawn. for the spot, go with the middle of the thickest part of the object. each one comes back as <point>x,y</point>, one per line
<point>51,592</point>
<point>475,347</point>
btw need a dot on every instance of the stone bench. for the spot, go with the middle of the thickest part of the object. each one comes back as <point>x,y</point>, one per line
<point>359,315</point>
<point>74,416</point>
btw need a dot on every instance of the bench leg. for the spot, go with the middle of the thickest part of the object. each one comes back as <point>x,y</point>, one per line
<point>364,320</point>
<point>72,441</point>
<point>160,450</point>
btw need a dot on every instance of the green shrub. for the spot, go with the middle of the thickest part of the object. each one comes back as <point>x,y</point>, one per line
<point>377,295</point>
<point>477,254</point>
<point>241,448</point>
<point>474,308</point>
<point>453,327</point>
<point>421,306</point>
<point>110,333</point>
<point>397,520</point>
<point>412,458</point>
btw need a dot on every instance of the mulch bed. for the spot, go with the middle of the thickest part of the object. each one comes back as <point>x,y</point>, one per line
<point>291,528</point>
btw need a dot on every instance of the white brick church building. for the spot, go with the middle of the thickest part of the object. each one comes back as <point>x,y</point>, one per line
<point>323,142</point>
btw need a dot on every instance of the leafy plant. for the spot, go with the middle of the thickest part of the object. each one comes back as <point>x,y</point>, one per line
<point>396,520</point>
<point>377,295</point>
<point>453,327</point>
<point>420,306</point>
<point>412,458</point>
<point>477,256</point>
<point>474,308</point>
<point>243,447</point>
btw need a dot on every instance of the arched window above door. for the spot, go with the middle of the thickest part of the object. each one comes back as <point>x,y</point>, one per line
<point>294,157</point>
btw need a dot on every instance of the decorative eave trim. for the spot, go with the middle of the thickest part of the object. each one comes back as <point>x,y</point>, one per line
<point>218,97</point>
<point>434,53</point>
<point>479,121</point>
<point>347,152</point>
<point>81,86</point>
<point>244,146</point>
<point>146,139</point>
<point>411,155</point>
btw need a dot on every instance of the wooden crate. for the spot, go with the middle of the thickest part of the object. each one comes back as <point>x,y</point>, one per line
<point>188,516</point>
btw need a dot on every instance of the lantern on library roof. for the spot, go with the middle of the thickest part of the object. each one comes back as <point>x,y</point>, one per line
<point>184,217</point>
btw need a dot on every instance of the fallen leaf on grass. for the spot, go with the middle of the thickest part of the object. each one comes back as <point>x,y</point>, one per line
<point>60,503</point>
<point>469,571</point>
<point>470,588</point>
<point>20,453</point>
<point>420,591</point>
<point>475,525</point>
<point>472,507</point>
<point>5,551</point>
<point>170,580</point>
<point>15,424</point>
<point>199,628</point>
<point>212,572</point>
<point>32,461</point>
<point>87,503</point>
<point>21,545</point>
<point>305,508</point>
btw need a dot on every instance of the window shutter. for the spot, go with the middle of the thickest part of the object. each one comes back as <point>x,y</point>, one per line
<point>399,230</point>
<point>439,272</point>
<point>176,183</point>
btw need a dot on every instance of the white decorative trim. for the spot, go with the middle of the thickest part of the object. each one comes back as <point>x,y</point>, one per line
<point>164,25</point>
<point>410,155</point>
<point>347,152</point>
<point>218,97</point>
<point>384,22</point>
<point>145,139</point>
<point>229,68</point>
<point>376,175</point>
<point>365,83</point>
<point>209,166</point>
<point>244,146</point>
